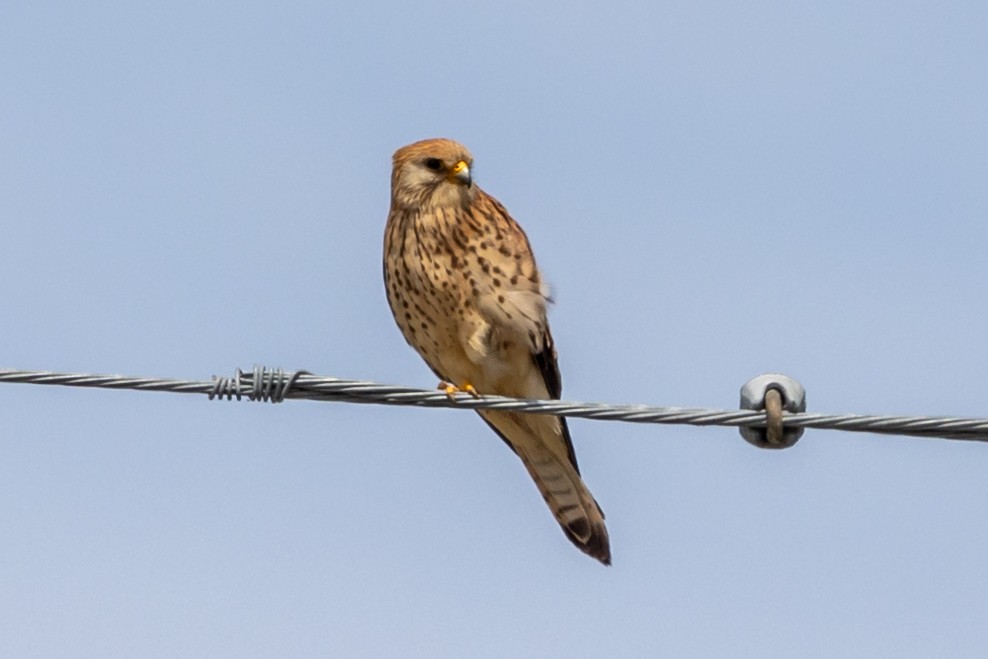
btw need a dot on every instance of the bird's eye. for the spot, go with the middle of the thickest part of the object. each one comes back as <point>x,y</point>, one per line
<point>435,164</point>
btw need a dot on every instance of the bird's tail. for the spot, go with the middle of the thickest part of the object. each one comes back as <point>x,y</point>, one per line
<point>569,500</point>
<point>543,444</point>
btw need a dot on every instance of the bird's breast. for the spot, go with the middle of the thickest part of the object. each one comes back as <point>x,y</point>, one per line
<point>429,294</point>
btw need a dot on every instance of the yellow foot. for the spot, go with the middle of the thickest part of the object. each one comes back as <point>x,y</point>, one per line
<point>451,389</point>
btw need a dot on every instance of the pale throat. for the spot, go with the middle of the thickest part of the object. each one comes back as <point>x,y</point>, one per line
<point>449,196</point>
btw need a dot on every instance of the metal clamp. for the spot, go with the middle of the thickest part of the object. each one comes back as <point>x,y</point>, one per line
<point>774,393</point>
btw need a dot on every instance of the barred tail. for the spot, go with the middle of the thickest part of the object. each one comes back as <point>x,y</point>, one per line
<point>569,500</point>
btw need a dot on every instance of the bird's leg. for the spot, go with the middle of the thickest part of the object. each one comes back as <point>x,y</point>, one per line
<point>451,389</point>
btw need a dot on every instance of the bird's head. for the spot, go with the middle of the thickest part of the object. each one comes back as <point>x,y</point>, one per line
<point>432,173</point>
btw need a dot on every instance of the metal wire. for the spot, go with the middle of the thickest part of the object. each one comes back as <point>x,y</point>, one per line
<point>275,385</point>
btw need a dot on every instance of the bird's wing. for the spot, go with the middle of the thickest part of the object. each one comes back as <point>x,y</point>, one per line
<point>541,441</point>
<point>548,365</point>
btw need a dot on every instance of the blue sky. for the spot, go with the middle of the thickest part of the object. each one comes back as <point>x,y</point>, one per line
<point>714,190</point>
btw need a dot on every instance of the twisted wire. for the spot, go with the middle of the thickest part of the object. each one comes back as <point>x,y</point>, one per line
<point>276,385</point>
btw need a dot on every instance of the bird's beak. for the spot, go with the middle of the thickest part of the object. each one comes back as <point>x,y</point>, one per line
<point>461,173</point>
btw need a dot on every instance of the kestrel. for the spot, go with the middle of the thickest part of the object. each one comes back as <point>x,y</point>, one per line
<point>463,286</point>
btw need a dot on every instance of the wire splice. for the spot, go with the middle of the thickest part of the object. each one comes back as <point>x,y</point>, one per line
<point>265,385</point>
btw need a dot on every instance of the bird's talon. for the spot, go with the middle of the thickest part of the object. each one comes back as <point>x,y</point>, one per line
<point>451,390</point>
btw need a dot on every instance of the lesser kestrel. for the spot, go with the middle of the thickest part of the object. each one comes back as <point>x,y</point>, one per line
<point>463,286</point>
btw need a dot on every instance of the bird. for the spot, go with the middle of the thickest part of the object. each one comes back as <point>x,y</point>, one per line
<point>465,291</point>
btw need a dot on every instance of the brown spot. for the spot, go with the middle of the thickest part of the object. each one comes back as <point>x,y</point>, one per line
<point>500,298</point>
<point>514,279</point>
<point>471,221</point>
<point>496,282</point>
